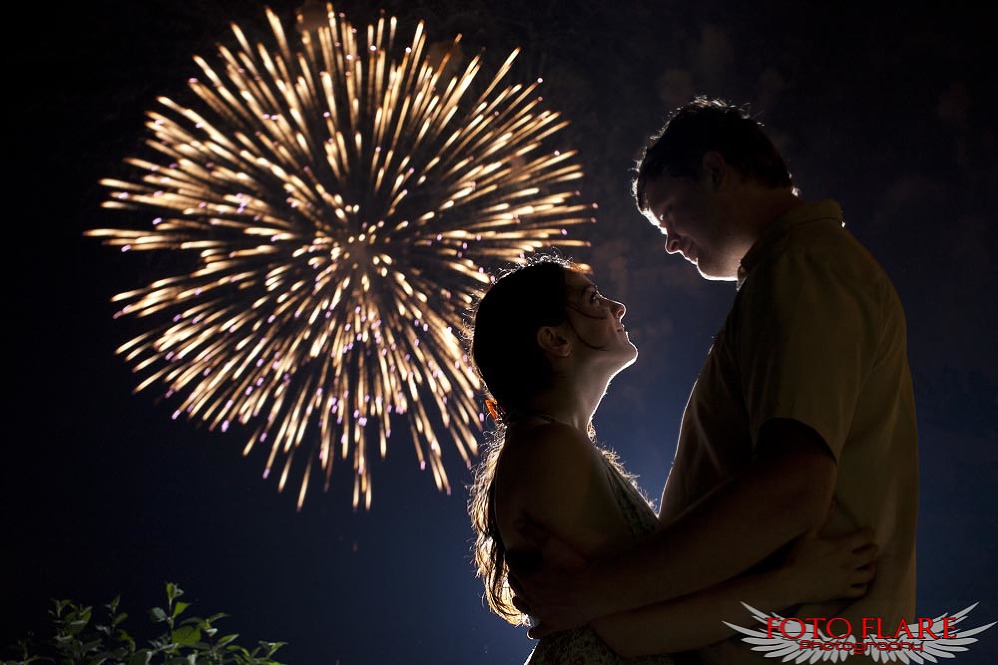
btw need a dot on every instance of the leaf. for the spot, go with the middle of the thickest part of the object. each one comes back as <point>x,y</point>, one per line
<point>123,636</point>
<point>75,627</point>
<point>271,647</point>
<point>186,636</point>
<point>140,657</point>
<point>77,620</point>
<point>180,607</point>
<point>158,614</point>
<point>113,605</point>
<point>173,591</point>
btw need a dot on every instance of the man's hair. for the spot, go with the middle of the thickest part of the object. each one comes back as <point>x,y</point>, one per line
<point>706,125</point>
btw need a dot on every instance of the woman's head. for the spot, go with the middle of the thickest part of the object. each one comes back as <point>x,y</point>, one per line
<point>542,317</point>
<point>504,342</point>
<point>533,320</point>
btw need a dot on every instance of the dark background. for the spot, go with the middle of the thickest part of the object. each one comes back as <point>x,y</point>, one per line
<point>889,108</point>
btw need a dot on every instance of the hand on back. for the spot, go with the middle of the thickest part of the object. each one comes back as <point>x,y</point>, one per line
<point>550,592</point>
<point>833,568</point>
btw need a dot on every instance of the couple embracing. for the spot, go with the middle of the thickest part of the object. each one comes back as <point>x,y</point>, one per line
<point>794,488</point>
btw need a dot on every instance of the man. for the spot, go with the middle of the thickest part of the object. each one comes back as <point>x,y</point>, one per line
<point>803,413</point>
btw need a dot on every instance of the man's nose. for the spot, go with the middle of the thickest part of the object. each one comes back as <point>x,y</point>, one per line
<point>672,245</point>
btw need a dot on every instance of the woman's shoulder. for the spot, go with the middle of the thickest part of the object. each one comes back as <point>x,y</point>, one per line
<point>544,460</point>
<point>541,442</point>
<point>553,476</point>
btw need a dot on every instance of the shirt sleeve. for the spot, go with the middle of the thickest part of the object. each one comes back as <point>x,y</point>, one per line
<point>806,340</point>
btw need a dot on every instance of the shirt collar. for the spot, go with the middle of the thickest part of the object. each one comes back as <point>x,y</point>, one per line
<point>771,236</point>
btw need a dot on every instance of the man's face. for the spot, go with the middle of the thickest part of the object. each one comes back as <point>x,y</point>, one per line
<point>689,214</point>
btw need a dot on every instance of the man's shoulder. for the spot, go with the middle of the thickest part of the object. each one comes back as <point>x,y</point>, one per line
<point>819,270</point>
<point>823,248</point>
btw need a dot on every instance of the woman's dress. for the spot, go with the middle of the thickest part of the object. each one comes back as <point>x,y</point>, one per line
<point>582,646</point>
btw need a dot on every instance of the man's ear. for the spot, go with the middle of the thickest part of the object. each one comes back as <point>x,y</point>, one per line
<point>716,170</point>
<point>552,339</point>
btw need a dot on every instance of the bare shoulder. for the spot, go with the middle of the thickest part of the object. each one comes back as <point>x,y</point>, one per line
<point>544,448</point>
<point>552,475</point>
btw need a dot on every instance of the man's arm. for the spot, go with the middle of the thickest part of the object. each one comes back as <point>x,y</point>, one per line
<point>785,491</point>
<point>816,569</point>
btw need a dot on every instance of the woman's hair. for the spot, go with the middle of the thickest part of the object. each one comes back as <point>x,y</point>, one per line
<point>513,368</point>
<point>504,333</point>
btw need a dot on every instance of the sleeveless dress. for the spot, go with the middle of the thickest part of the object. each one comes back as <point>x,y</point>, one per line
<point>583,646</point>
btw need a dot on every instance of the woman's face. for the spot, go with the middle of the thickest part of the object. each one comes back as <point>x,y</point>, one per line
<point>598,321</point>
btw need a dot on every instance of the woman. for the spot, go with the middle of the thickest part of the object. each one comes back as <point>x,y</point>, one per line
<point>547,344</point>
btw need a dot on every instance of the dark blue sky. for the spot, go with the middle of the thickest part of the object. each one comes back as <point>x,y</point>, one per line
<point>888,108</point>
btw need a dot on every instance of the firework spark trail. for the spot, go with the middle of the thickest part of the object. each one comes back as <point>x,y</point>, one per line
<point>342,200</point>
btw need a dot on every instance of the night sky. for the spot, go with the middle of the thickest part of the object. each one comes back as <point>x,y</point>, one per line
<point>888,108</point>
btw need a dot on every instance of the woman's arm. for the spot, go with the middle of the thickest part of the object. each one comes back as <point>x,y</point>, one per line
<point>793,476</point>
<point>817,569</point>
<point>552,477</point>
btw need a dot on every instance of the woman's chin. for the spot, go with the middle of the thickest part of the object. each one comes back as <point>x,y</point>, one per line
<point>630,359</point>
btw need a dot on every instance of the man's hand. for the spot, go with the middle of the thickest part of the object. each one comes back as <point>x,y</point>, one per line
<point>554,594</point>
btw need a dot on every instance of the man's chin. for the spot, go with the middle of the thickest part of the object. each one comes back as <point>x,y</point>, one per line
<point>714,274</point>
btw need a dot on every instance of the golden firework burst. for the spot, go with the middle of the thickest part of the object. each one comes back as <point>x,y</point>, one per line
<point>342,200</point>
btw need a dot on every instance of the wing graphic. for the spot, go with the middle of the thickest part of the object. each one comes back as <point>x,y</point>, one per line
<point>808,649</point>
<point>788,650</point>
<point>933,648</point>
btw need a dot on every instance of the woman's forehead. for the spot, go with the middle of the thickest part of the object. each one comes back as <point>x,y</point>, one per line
<point>576,279</point>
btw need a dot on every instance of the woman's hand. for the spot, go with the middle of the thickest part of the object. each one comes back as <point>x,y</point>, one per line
<point>822,569</point>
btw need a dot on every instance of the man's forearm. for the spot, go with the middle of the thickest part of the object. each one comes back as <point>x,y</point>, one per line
<point>697,620</point>
<point>730,530</point>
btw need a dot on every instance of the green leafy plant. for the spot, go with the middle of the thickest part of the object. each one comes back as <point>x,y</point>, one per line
<point>82,637</point>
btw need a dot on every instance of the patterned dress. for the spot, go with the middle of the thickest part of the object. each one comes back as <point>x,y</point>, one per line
<point>582,646</point>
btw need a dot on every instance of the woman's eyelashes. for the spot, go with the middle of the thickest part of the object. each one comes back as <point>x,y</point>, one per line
<point>598,303</point>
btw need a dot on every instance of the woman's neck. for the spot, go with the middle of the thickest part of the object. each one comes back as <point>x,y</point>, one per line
<point>570,407</point>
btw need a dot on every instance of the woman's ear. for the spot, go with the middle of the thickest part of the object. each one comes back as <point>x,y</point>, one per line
<point>552,339</point>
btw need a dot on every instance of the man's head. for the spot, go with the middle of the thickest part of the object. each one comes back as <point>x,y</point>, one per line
<point>710,125</point>
<point>703,179</point>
